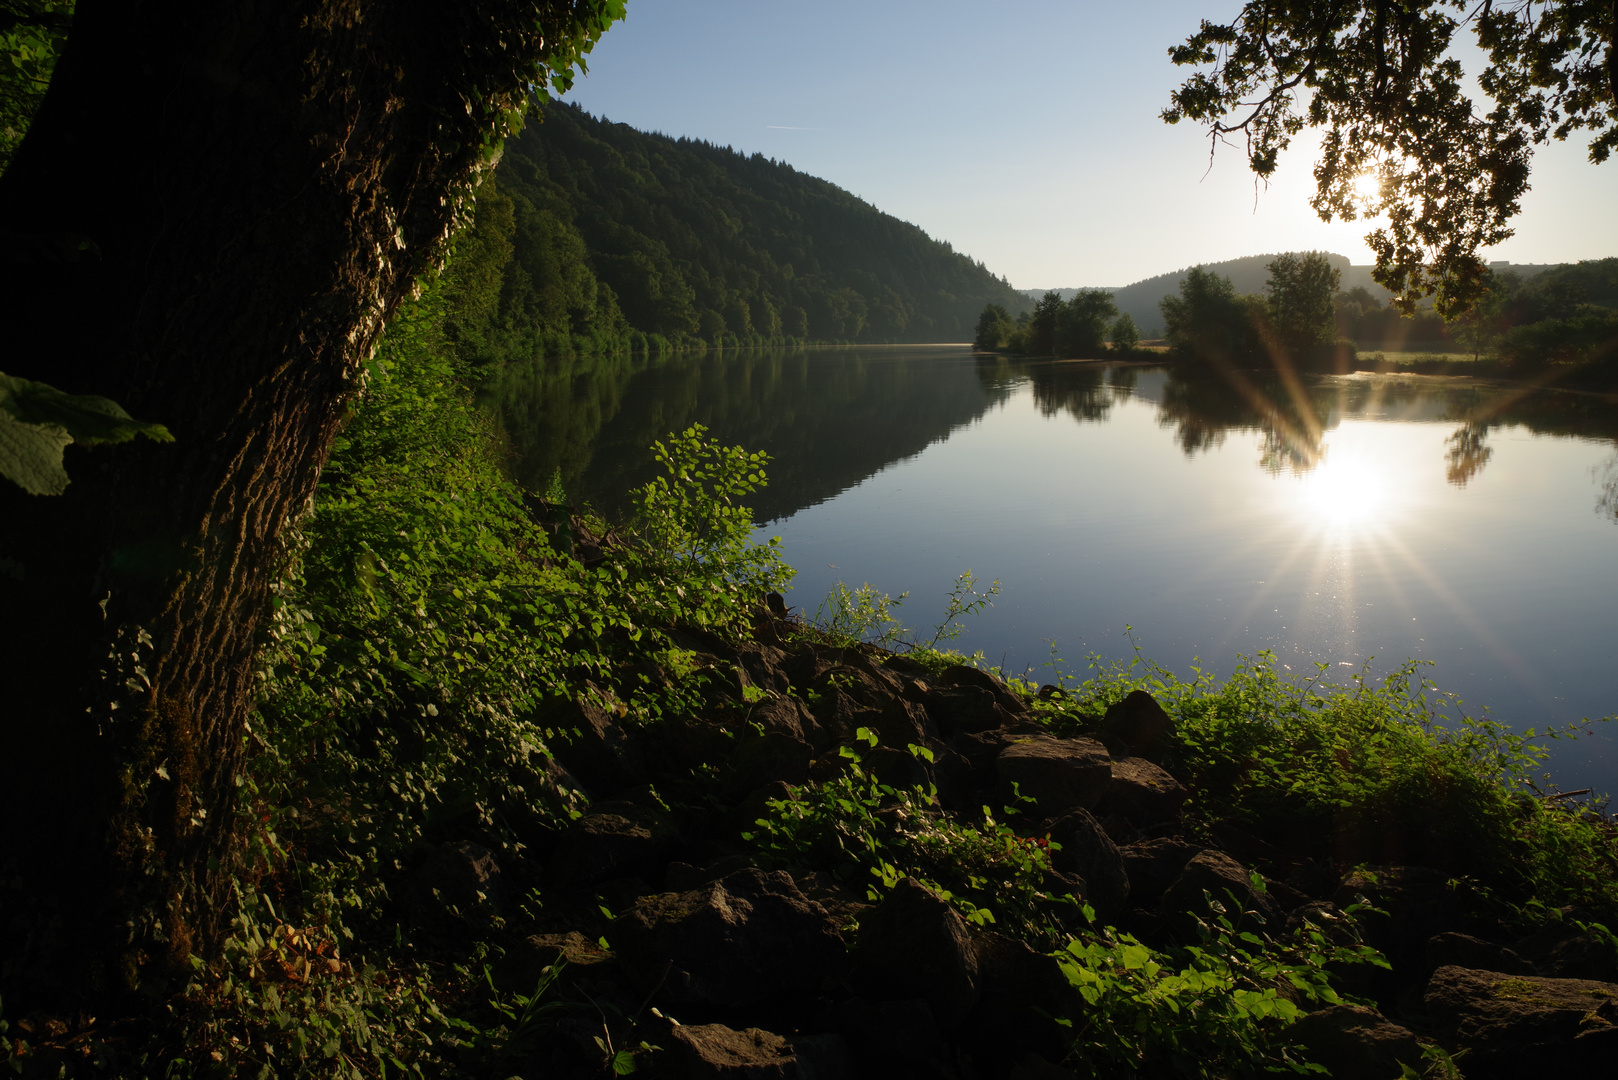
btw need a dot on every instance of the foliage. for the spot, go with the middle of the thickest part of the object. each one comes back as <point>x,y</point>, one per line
<point>994,329</point>
<point>1391,770</point>
<point>1072,328</point>
<point>696,539</point>
<point>1300,308</point>
<point>870,834</point>
<point>850,616</point>
<point>32,33</point>
<point>1124,335</point>
<point>697,240</point>
<point>1402,137</point>
<point>1216,1009</point>
<point>1209,322</point>
<point>37,422</point>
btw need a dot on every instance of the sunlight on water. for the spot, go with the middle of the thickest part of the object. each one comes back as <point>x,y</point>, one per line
<point>1348,492</point>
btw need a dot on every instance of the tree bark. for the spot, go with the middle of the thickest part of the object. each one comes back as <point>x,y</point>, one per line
<point>216,209</point>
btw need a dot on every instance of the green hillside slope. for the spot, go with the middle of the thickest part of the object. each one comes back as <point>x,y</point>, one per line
<point>592,236</point>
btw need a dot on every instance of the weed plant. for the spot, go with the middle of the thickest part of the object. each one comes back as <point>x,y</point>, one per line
<point>1392,770</point>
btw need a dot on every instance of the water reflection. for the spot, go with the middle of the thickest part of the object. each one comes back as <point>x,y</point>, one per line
<point>833,418</point>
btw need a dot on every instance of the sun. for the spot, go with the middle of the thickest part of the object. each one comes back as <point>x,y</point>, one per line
<point>1344,491</point>
<point>1368,186</point>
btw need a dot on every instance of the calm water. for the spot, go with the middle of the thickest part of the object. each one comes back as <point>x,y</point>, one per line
<point>1334,521</point>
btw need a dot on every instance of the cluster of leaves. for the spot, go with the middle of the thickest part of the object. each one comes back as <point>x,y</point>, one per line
<point>37,422</point>
<point>32,33</point>
<point>1391,769</point>
<point>1402,137</point>
<point>1292,327</point>
<point>870,834</point>
<point>1215,1009</point>
<point>1079,327</point>
<point>866,615</point>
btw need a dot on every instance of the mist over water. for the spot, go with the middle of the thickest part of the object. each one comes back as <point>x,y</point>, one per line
<point>1336,521</point>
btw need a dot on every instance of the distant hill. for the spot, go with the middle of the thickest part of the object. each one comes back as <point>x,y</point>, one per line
<point>594,232</point>
<point>1249,275</point>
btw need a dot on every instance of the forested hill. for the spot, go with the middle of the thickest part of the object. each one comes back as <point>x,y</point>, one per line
<point>595,229</point>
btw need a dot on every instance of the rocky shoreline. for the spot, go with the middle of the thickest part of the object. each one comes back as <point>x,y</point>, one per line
<point>682,933</point>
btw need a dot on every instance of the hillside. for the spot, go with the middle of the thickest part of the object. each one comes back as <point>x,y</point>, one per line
<point>591,234</point>
<point>1248,274</point>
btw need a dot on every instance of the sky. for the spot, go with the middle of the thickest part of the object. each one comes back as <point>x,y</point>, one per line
<point>1026,134</point>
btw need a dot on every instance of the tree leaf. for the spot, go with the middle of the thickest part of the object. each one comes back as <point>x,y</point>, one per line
<point>31,455</point>
<point>86,418</point>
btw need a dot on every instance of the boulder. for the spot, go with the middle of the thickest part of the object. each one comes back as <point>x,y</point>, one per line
<point>1139,725</point>
<point>763,759</point>
<point>525,963</point>
<point>1417,902</point>
<point>458,880</point>
<point>964,709</point>
<point>786,716</point>
<point>1213,875</point>
<point>1153,865</point>
<point>1082,847</point>
<point>901,724</point>
<point>1514,1025</point>
<point>594,746</point>
<point>1058,774</point>
<point>839,714</point>
<point>890,1038</point>
<point>1024,994</point>
<point>962,675</point>
<point>716,1052</point>
<point>1562,950</point>
<point>1142,793</point>
<point>616,839</point>
<point>1357,1043</point>
<point>914,945</point>
<point>1451,949</point>
<point>748,937</point>
<point>899,769</point>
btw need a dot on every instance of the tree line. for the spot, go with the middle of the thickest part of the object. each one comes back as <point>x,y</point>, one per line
<point>1087,325</point>
<point>594,237</point>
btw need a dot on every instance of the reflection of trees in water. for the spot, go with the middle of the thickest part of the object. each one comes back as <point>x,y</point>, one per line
<point>1607,501</point>
<point>1292,419</point>
<point>1468,453</point>
<point>829,419</point>
<point>1080,390</point>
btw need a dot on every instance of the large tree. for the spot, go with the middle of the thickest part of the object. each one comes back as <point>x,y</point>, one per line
<point>214,212</point>
<point>1402,138</point>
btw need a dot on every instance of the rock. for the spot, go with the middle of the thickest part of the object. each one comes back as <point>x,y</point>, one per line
<point>840,715</point>
<point>1513,1026</point>
<point>962,675</point>
<point>1058,774</point>
<point>763,759</point>
<point>458,880</point>
<point>1561,950</point>
<point>1024,994</point>
<point>890,1038</point>
<point>613,840</point>
<point>899,769</point>
<point>965,710</point>
<point>594,746</point>
<point>1357,1043</point>
<point>1142,793</point>
<point>760,665</point>
<point>914,945</point>
<point>1140,724</point>
<point>1034,1067</point>
<point>716,1052</point>
<point>1451,949</point>
<point>786,716</point>
<point>524,964</point>
<point>748,937</point>
<point>1153,865</point>
<point>902,724</point>
<point>1084,848</point>
<point>1224,881</point>
<point>1418,904</point>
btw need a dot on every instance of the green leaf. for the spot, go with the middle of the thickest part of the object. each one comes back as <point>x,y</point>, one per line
<point>38,421</point>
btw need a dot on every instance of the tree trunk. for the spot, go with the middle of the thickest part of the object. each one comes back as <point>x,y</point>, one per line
<point>218,205</point>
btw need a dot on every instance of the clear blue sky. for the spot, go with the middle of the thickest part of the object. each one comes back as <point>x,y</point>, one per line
<point>1025,134</point>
